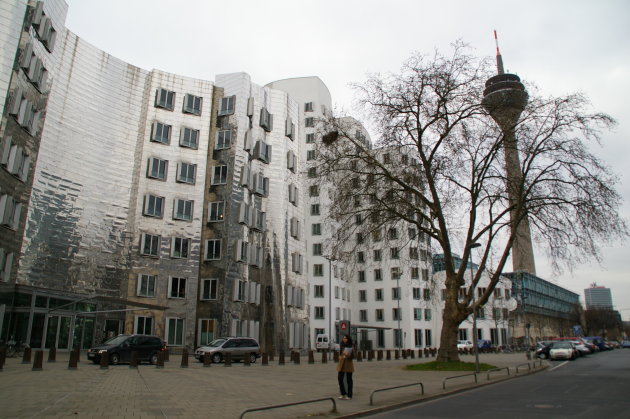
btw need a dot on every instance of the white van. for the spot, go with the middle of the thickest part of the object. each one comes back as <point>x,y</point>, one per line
<point>323,342</point>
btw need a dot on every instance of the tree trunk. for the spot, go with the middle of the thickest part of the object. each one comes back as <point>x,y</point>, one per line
<point>448,338</point>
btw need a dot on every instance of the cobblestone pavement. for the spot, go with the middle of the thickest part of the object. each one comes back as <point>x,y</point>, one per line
<point>222,392</point>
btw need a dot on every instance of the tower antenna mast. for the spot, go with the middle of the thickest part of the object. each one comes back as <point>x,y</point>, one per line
<point>499,58</point>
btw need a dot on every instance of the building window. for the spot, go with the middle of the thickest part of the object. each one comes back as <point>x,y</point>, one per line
<point>378,315</point>
<point>153,206</point>
<point>313,190</point>
<point>219,175</point>
<point>316,229</point>
<point>417,314</point>
<point>362,296</point>
<point>319,312</point>
<point>378,294</point>
<point>358,219</point>
<point>376,235</point>
<point>312,172</point>
<point>164,99</point>
<point>308,107</point>
<point>396,293</point>
<point>309,122</point>
<point>146,285</point>
<point>180,248</point>
<point>363,316</point>
<point>378,255</point>
<point>227,105</point>
<point>213,249</point>
<point>224,139</point>
<point>426,294</point>
<point>157,168</point>
<point>183,209</point>
<point>425,274</point>
<point>318,269</point>
<point>177,288</point>
<point>380,338</point>
<point>315,209</point>
<point>396,314</point>
<point>174,331</point>
<point>427,314</point>
<point>378,275</point>
<point>393,253</point>
<point>192,104</point>
<point>481,313</point>
<point>150,245</point>
<point>216,211</point>
<point>319,291</point>
<point>266,120</point>
<point>396,272</point>
<point>209,289</point>
<point>361,276</point>
<point>427,338</point>
<point>317,249</point>
<point>416,293</point>
<point>161,133</point>
<point>310,138</point>
<point>310,155</point>
<point>417,335</point>
<point>186,173</point>
<point>361,257</point>
<point>415,272</point>
<point>393,233</point>
<point>189,138</point>
<point>413,252</point>
<point>480,292</point>
<point>143,325</point>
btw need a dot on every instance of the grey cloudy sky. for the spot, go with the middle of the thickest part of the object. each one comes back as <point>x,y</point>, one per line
<point>561,46</point>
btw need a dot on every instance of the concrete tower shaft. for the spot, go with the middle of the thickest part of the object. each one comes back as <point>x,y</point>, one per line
<point>505,99</point>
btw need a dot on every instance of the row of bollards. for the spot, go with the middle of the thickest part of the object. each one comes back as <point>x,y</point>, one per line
<point>227,359</point>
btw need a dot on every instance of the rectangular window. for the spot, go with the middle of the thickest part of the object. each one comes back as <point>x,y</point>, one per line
<point>425,274</point>
<point>396,293</point>
<point>295,228</point>
<point>291,161</point>
<point>219,175</point>
<point>209,289</point>
<point>157,168</point>
<point>378,255</point>
<point>426,294</point>
<point>227,105</point>
<point>416,293</point>
<point>380,338</point>
<point>378,275</point>
<point>415,272</point>
<point>180,248</point>
<point>396,272</point>
<point>266,120</point>
<point>315,209</point>
<point>358,219</point>
<point>146,285</point>
<point>177,288</point>
<point>393,233</point>
<point>413,252</point>
<point>308,107</point>
<point>161,133</point>
<point>318,269</point>
<point>498,293</point>
<point>417,335</point>
<point>224,139</point>
<point>186,173</point>
<point>189,138</point>
<point>309,122</point>
<point>427,338</point>
<point>378,315</point>
<point>164,99</point>
<point>427,314</point>
<point>396,314</point>
<point>417,314</point>
<point>313,190</point>
<point>393,253</point>
<point>310,138</point>
<point>192,104</point>
<point>317,249</point>
<point>319,312</point>
<point>319,291</point>
<point>150,245</point>
<point>362,296</point>
<point>312,172</point>
<point>361,276</point>
<point>213,249</point>
<point>296,262</point>
<point>144,325</point>
<point>153,206</point>
<point>183,209</point>
<point>363,316</point>
<point>289,128</point>
<point>361,257</point>
<point>174,331</point>
<point>316,229</point>
<point>216,211</point>
<point>310,155</point>
<point>378,294</point>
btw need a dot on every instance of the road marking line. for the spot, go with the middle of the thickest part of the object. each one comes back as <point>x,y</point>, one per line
<point>558,366</point>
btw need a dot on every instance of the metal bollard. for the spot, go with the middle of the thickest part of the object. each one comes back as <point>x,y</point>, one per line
<point>104,361</point>
<point>72,361</point>
<point>396,354</point>
<point>370,356</point>
<point>207,360</point>
<point>265,359</point>
<point>52,354</point>
<point>412,354</point>
<point>311,357</point>
<point>324,356</point>
<point>227,360</point>
<point>389,355</point>
<point>296,358</point>
<point>26,358</point>
<point>336,356</point>
<point>379,355</point>
<point>160,361</point>
<point>133,362</point>
<point>281,358</point>
<point>359,356</point>
<point>39,359</point>
<point>3,356</point>
<point>184,363</point>
<point>404,354</point>
<point>166,355</point>
<point>246,361</point>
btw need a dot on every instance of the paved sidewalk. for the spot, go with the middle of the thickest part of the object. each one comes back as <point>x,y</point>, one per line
<point>219,391</point>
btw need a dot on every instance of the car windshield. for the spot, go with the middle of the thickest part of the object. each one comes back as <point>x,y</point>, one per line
<point>116,340</point>
<point>561,345</point>
<point>216,342</point>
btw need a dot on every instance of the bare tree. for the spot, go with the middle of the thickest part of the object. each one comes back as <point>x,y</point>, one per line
<point>439,164</point>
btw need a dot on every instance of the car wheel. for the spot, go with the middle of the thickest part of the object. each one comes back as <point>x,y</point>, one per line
<point>114,359</point>
<point>252,358</point>
<point>153,359</point>
<point>542,356</point>
<point>216,358</point>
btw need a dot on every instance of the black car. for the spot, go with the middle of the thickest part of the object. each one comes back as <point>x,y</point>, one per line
<point>119,349</point>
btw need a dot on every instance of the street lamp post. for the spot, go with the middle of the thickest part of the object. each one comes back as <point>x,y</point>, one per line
<point>474,313</point>
<point>330,332</point>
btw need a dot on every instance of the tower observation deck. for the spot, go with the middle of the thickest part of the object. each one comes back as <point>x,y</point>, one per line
<point>505,99</point>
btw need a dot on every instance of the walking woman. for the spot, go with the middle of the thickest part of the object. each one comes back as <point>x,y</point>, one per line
<point>345,367</point>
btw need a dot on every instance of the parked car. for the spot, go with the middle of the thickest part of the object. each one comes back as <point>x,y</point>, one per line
<point>625,344</point>
<point>119,349</point>
<point>464,344</point>
<point>542,349</point>
<point>484,344</point>
<point>581,348</point>
<point>562,349</point>
<point>237,347</point>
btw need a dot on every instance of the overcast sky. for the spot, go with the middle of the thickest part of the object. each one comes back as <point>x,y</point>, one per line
<point>561,46</point>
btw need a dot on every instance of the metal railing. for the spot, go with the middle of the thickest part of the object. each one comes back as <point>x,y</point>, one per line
<point>529,367</point>
<point>277,406</point>
<point>495,370</point>
<point>458,376</point>
<point>395,387</point>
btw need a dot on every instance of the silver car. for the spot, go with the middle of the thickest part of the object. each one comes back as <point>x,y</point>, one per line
<point>239,348</point>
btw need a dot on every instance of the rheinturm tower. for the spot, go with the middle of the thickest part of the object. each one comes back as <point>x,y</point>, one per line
<point>505,99</point>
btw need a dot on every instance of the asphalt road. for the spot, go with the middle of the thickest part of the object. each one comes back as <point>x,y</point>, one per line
<point>595,386</point>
